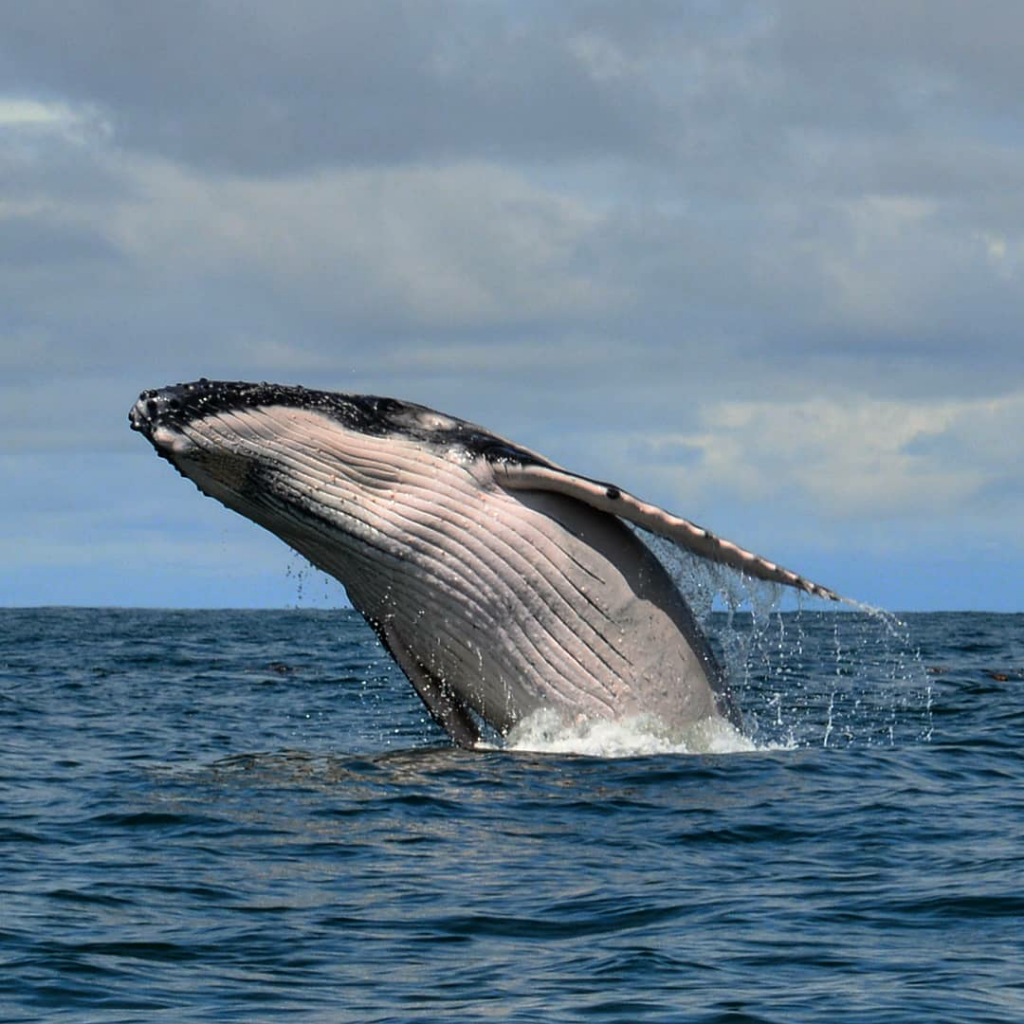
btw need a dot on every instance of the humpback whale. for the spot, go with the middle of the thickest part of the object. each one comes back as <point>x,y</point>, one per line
<point>501,583</point>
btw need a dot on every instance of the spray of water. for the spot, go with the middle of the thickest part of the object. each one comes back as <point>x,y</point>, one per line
<point>804,673</point>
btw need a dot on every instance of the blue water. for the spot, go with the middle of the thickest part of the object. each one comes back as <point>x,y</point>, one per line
<point>246,816</point>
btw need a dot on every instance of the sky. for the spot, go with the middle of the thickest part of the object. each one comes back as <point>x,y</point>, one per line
<point>760,263</point>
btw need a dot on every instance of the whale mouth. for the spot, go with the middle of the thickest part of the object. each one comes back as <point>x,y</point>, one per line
<point>160,416</point>
<point>171,406</point>
<point>171,417</point>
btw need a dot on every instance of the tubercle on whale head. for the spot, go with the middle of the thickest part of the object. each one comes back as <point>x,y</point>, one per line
<point>173,419</point>
<point>179,403</point>
<point>157,408</point>
<point>175,405</point>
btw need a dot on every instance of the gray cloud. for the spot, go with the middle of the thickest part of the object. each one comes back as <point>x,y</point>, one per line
<point>268,88</point>
<point>929,57</point>
<point>27,242</point>
<point>704,249</point>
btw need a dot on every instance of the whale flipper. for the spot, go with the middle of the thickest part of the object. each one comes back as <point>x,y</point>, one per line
<point>605,497</point>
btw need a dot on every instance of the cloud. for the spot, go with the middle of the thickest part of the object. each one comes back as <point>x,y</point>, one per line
<point>20,113</point>
<point>882,477</point>
<point>267,89</point>
<point>436,247</point>
<point>855,459</point>
<point>760,262</point>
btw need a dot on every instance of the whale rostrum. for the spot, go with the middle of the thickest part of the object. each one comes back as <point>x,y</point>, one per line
<point>500,583</point>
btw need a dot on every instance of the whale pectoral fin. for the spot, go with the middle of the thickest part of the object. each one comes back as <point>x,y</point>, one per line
<point>445,707</point>
<point>609,498</point>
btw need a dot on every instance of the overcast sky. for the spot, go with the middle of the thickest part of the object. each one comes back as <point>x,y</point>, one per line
<point>760,263</point>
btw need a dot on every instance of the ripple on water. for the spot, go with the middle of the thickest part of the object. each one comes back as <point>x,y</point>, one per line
<point>189,834</point>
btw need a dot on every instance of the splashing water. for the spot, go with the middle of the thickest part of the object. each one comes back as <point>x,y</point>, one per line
<point>545,732</point>
<point>803,676</point>
<point>803,672</point>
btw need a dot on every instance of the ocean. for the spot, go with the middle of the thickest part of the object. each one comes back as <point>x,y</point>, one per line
<point>247,816</point>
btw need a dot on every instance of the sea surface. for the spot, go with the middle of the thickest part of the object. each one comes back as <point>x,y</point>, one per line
<point>247,816</point>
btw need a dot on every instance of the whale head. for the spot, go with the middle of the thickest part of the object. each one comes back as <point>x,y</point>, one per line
<point>301,461</point>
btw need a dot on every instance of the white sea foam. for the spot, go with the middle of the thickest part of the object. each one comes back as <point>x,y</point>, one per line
<point>644,735</point>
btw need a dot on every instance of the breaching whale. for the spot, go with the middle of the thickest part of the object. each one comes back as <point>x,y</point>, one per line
<point>499,582</point>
